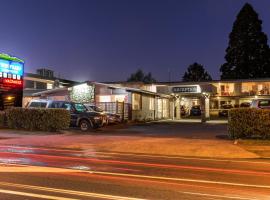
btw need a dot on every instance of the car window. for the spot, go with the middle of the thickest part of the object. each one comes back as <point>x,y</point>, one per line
<point>80,107</point>
<point>66,106</point>
<point>38,105</point>
<point>264,103</point>
<point>55,105</point>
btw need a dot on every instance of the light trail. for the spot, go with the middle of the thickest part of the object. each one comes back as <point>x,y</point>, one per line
<point>130,163</point>
<point>39,196</point>
<point>70,192</point>
<point>136,154</point>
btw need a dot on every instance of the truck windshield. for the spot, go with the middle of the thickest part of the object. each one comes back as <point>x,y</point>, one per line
<point>80,107</point>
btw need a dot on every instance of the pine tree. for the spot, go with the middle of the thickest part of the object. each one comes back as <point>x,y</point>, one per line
<point>196,72</point>
<point>139,76</point>
<point>248,54</point>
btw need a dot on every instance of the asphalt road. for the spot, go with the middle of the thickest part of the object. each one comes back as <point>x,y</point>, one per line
<point>45,173</point>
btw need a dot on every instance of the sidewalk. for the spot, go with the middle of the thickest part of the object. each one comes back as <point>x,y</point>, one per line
<point>145,139</point>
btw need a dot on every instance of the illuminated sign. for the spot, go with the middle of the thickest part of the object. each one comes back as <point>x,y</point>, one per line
<point>12,81</point>
<point>11,67</point>
<point>186,89</point>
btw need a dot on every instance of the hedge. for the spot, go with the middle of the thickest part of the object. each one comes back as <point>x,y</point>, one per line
<point>38,119</point>
<point>249,122</point>
<point>2,119</point>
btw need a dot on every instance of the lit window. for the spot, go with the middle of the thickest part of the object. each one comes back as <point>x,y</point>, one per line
<point>49,86</point>
<point>151,103</point>
<point>136,101</point>
<point>18,77</point>
<point>14,76</point>
<point>1,74</point>
<point>104,98</point>
<point>120,98</point>
<point>5,75</point>
<point>9,75</point>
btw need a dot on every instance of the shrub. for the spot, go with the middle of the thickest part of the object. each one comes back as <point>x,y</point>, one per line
<point>2,119</point>
<point>249,122</point>
<point>38,119</point>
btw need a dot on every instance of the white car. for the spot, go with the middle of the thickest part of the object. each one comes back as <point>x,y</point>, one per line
<point>261,103</point>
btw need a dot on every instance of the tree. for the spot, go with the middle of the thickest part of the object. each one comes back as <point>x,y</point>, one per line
<point>248,54</point>
<point>196,72</point>
<point>139,76</point>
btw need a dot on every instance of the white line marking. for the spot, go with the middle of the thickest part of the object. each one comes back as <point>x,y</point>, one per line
<point>181,179</point>
<point>40,196</point>
<point>184,158</point>
<point>71,192</point>
<point>220,196</point>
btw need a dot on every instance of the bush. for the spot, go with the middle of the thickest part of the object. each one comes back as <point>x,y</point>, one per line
<point>249,122</point>
<point>38,119</point>
<point>2,119</point>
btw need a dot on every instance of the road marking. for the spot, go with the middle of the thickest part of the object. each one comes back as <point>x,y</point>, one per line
<point>182,157</point>
<point>40,196</point>
<point>219,196</point>
<point>181,179</point>
<point>71,192</point>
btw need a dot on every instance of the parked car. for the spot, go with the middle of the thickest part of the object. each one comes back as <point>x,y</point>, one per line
<point>111,118</point>
<point>80,116</point>
<point>245,105</point>
<point>261,103</point>
<point>195,111</point>
<point>225,110</point>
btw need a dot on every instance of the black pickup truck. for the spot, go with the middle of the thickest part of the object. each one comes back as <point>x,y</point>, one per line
<point>80,116</point>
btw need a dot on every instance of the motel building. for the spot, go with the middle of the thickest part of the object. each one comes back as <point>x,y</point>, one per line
<point>162,100</point>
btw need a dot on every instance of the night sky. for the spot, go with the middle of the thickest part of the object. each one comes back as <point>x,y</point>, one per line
<point>106,40</point>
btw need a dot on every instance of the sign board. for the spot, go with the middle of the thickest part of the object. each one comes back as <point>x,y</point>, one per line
<point>186,89</point>
<point>11,67</point>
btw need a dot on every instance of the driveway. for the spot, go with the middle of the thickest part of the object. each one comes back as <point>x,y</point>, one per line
<point>166,138</point>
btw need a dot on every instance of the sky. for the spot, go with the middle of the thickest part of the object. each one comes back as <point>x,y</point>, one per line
<point>107,40</point>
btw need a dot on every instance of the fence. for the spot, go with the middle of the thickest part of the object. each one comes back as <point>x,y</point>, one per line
<point>120,108</point>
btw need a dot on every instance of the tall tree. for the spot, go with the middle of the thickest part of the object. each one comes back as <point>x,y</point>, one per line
<point>196,72</point>
<point>248,54</point>
<point>139,76</point>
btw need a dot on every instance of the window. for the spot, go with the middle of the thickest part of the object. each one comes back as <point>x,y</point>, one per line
<point>38,105</point>
<point>80,107</point>
<point>66,106</point>
<point>151,103</point>
<point>29,84</point>
<point>49,86</point>
<point>40,85</point>
<point>264,103</point>
<point>136,101</point>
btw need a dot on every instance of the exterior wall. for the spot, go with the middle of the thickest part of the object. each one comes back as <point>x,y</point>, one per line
<point>147,110</point>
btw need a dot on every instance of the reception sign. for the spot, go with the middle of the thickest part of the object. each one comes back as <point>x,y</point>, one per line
<point>186,89</point>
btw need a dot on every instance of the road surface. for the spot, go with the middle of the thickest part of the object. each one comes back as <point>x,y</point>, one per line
<point>46,173</point>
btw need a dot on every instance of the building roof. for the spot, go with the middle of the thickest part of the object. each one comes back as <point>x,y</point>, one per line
<point>32,75</point>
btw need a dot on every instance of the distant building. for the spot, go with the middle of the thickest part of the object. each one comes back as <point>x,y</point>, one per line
<point>43,80</point>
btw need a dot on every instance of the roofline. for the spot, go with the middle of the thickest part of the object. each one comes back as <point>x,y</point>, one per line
<point>49,91</point>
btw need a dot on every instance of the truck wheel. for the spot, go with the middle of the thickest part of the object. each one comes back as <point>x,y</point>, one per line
<point>84,125</point>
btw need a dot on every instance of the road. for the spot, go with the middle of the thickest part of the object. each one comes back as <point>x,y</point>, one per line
<point>46,173</point>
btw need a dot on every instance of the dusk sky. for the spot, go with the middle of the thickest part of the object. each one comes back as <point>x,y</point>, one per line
<point>106,40</point>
